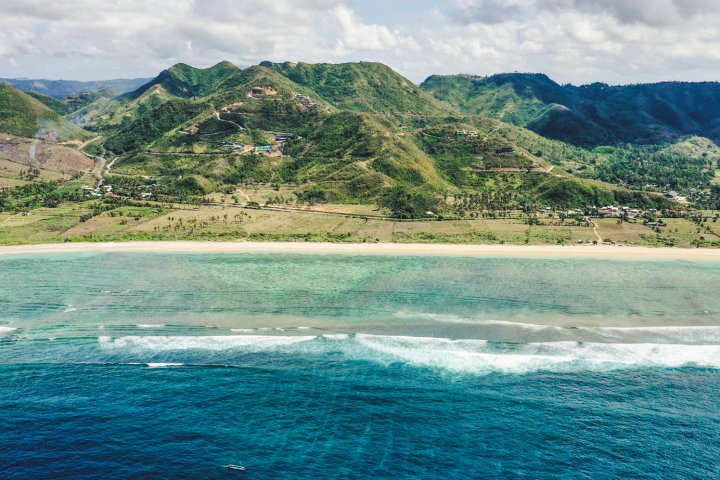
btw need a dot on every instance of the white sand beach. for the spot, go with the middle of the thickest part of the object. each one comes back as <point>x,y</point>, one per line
<point>369,249</point>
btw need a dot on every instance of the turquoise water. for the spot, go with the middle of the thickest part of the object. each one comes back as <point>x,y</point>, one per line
<point>170,366</point>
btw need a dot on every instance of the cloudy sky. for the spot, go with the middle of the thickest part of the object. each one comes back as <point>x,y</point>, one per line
<point>574,41</point>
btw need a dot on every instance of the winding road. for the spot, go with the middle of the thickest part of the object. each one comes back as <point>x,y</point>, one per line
<point>217,115</point>
<point>85,144</point>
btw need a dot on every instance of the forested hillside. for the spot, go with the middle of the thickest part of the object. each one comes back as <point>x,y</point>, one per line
<point>362,134</point>
<point>590,115</point>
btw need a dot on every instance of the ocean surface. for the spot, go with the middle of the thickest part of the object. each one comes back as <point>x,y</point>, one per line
<point>140,366</point>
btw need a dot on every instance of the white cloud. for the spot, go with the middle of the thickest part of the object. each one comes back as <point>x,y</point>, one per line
<point>360,36</point>
<point>619,41</point>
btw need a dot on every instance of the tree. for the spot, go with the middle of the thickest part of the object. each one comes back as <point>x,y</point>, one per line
<point>406,202</point>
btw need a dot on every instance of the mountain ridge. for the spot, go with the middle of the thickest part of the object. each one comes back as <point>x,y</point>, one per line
<point>588,115</point>
<point>60,89</point>
<point>362,133</point>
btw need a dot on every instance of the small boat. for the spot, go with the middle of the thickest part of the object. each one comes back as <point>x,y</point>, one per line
<point>238,468</point>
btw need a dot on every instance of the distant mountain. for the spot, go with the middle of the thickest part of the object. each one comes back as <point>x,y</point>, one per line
<point>60,89</point>
<point>590,115</point>
<point>25,116</point>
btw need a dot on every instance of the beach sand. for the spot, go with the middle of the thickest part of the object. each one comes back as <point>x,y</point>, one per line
<point>601,251</point>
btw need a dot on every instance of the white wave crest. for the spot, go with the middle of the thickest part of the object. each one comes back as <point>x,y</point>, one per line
<point>215,343</point>
<point>150,325</point>
<point>481,357</point>
<point>478,357</point>
<point>5,330</point>
<point>459,356</point>
<point>164,365</point>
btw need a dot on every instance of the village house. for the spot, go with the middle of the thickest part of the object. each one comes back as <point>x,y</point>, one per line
<point>263,149</point>
<point>263,91</point>
<point>466,133</point>
<point>233,146</point>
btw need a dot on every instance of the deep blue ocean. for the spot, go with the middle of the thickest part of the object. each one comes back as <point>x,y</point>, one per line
<point>135,366</point>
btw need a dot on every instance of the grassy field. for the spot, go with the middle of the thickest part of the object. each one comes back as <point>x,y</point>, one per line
<point>43,225</point>
<point>630,233</point>
<point>235,223</point>
<point>78,222</point>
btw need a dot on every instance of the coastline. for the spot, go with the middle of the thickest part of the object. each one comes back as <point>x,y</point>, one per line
<point>589,251</point>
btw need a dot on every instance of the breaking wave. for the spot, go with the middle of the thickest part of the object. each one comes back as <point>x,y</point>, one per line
<point>213,343</point>
<point>164,365</point>
<point>478,357</point>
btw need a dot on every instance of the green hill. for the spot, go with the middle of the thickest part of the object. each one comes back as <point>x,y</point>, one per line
<point>356,148</point>
<point>354,132</point>
<point>184,81</point>
<point>179,82</point>
<point>363,87</point>
<point>25,116</point>
<point>56,105</point>
<point>589,115</point>
<point>148,128</point>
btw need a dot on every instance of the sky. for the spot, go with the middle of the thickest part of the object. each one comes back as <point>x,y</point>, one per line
<point>573,41</point>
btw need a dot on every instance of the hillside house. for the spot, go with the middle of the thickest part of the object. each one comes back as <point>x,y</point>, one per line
<point>233,146</point>
<point>263,91</point>
<point>504,150</point>
<point>466,133</point>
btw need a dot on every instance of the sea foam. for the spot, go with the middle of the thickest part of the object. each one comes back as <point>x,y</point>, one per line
<point>5,330</point>
<point>214,343</point>
<point>164,365</point>
<point>479,357</point>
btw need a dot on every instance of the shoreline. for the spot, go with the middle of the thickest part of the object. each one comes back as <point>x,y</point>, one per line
<point>576,251</point>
